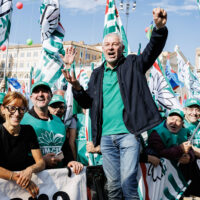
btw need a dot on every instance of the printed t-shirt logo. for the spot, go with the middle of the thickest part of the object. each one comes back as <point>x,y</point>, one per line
<point>50,142</point>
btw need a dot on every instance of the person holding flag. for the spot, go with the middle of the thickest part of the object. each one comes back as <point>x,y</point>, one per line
<point>122,106</point>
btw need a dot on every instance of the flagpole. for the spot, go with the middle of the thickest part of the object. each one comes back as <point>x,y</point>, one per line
<point>6,58</point>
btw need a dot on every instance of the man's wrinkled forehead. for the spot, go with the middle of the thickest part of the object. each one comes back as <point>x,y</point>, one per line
<point>112,38</point>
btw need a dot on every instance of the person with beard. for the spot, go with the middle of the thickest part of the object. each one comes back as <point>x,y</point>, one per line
<point>50,130</point>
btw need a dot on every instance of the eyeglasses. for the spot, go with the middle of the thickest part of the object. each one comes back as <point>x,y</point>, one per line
<point>58,106</point>
<point>13,109</point>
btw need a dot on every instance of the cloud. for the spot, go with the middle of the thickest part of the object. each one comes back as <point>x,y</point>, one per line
<point>83,5</point>
<point>179,7</point>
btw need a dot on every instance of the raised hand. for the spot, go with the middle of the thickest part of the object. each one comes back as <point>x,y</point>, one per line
<point>71,79</point>
<point>70,54</point>
<point>160,17</point>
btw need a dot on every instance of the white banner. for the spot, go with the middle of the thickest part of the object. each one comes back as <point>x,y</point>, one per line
<point>162,182</point>
<point>54,184</point>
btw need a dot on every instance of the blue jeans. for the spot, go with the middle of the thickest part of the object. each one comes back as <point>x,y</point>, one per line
<point>120,163</point>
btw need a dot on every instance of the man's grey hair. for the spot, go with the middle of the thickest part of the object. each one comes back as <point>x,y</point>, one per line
<point>114,34</point>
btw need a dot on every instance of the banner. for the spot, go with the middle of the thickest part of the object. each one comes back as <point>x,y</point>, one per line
<point>54,184</point>
<point>162,182</point>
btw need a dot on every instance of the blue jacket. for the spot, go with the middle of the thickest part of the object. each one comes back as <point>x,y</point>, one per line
<point>140,112</point>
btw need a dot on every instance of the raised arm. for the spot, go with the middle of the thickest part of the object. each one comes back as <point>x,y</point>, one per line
<point>156,43</point>
<point>83,97</point>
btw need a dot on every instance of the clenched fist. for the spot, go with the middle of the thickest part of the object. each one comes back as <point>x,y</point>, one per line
<point>159,17</point>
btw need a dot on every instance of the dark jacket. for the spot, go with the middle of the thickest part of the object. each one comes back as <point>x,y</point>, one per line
<point>140,112</point>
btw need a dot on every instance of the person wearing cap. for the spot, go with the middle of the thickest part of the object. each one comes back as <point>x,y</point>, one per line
<point>2,95</point>
<point>192,114</point>
<point>50,130</point>
<point>169,140</point>
<point>70,124</point>
<point>57,106</point>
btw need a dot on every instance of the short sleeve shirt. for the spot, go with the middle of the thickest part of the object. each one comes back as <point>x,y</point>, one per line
<point>15,151</point>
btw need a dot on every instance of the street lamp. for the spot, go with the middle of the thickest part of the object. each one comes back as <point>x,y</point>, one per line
<point>126,4</point>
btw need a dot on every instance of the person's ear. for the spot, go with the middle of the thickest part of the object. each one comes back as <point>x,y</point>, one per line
<point>2,109</point>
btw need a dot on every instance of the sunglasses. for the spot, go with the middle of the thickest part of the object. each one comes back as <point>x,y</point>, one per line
<point>58,106</point>
<point>13,109</point>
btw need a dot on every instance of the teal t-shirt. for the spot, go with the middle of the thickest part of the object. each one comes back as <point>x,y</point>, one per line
<point>51,134</point>
<point>112,104</point>
<point>191,127</point>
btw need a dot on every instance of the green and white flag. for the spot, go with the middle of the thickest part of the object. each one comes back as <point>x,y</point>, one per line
<point>5,19</point>
<point>113,24</point>
<point>52,34</point>
<point>161,89</point>
<point>164,182</point>
<point>189,78</point>
<point>198,4</point>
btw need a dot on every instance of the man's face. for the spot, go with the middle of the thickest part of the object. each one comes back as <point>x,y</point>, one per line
<point>174,123</point>
<point>192,113</point>
<point>112,48</point>
<point>41,96</point>
<point>57,109</point>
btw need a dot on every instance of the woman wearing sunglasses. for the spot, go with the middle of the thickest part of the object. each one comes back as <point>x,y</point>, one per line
<point>20,155</point>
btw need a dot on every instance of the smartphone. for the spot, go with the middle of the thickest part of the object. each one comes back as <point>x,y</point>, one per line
<point>59,155</point>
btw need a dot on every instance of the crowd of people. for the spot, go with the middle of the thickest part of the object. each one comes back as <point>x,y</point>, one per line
<point>121,108</point>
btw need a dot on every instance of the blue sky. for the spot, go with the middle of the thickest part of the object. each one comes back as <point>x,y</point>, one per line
<point>83,20</point>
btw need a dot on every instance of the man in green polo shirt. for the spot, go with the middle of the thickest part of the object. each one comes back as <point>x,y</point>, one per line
<point>122,107</point>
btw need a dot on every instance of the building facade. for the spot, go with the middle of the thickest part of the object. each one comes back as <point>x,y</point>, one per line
<point>21,58</point>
